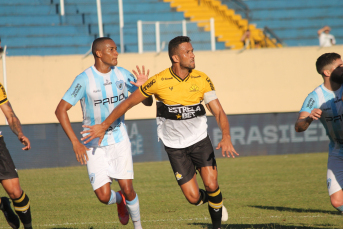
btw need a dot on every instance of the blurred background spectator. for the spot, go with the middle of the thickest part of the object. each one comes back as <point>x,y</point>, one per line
<point>325,38</point>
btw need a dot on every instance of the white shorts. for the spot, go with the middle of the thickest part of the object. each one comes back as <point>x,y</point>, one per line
<point>334,177</point>
<point>110,162</point>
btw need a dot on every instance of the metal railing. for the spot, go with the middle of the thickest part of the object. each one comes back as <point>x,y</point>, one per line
<point>159,46</point>
<point>268,32</point>
<point>239,6</point>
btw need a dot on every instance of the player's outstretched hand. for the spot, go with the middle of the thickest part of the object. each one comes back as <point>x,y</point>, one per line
<point>25,141</point>
<point>80,152</point>
<point>227,147</point>
<point>315,114</point>
<point>96,131</point>
<point>141,76</point>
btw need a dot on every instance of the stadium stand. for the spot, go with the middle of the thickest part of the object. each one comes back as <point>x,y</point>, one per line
<point>297,22</point>
<point>36,27</point>
<point>229,26</point>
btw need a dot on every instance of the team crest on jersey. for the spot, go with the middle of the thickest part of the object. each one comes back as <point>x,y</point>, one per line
<point>120,84</point>
<point>194,88</point>
<point>92,178</point>
<point>329,183</point>
<point>178,176</point>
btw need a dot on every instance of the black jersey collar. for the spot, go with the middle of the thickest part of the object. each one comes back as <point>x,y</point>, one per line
<point>177,77</point>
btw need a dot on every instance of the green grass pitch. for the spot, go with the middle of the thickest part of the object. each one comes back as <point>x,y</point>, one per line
<point>284,191</point>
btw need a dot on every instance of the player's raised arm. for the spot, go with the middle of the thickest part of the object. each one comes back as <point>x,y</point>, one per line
<point>99,130</point>
<point>141,79</point>
<point>217,110</point>
<point>63,118</point>
<point>305,119</point>
<point>15,125</point>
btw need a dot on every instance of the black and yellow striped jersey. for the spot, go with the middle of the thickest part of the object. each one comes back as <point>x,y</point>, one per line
<point>3,95</point>
<point>181,118</point>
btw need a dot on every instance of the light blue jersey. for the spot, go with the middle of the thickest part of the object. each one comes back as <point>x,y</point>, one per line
<point>99,94</point>
<point>330,102</point>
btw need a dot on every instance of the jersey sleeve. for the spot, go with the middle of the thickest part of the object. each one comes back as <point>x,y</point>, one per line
<point>149,87</point>
<point>128,78</point>
<point>76,91</point>
<point>3,95</point>
<point>208,85</point>
<point>310,103</point>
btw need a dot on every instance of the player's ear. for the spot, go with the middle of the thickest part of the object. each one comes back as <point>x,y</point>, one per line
<point>98,53</point>
<point>326,73</point>
<point>176,58</point>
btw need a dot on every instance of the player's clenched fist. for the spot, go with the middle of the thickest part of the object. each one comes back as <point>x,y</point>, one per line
<point>315,114</point>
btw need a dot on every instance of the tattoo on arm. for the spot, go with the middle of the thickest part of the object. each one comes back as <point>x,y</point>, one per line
<point>15,124</point>
<point>303,124</point>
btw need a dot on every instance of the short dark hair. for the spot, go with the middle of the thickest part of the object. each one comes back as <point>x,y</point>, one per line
<point>325,60</point>
<point>96,44</point>
<point>174,44</point>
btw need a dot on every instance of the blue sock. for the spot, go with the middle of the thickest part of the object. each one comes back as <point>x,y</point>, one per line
<point>115,198</point>
<point>340,208</point>
<point>133,208</point>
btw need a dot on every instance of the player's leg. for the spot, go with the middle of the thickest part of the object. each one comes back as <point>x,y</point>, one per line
<point>10,181</point>
<point>335,182</point>
<point>123,172</point>
<point>132,201</point>
<point>193,194</point>
<point>185,174</point>
<point>203,158</point>
<point>11,218</point>
<point>97,167</point>
<point>20,201</point>
<point>215,200</point>
<point>337,200</point>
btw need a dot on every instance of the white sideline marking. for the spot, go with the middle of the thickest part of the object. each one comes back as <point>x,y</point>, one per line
<point>180,219</point>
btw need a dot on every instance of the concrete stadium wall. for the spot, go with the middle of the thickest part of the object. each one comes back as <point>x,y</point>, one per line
<point>253,81</point>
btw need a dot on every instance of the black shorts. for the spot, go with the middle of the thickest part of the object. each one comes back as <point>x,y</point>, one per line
<point>185,161</point>
<point>7,168</point>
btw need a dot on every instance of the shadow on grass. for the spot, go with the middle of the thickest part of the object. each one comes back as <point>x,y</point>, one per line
<point>282,209</point>
<point>258,226</point>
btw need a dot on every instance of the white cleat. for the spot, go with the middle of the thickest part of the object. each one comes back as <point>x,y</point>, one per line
<point>225,215</point>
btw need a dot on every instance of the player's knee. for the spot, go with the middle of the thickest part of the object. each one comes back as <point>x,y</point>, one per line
<point>211,186</point>
<point>15,193</point>
<point>104,197</point>
<point>337,203</point>
<point>193,198</point>
<point>129,192</point>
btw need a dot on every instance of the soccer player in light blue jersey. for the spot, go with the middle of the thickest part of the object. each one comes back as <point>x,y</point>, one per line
<point>100,88</point>
<point>325,103</point>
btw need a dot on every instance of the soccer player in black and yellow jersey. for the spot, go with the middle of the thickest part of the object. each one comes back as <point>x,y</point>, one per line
<point>8,173</point>
<point>182,125</point>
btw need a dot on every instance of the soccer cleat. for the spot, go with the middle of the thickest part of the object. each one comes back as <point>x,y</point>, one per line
<point>11,218</point>
<point>225,215</point>
<point>123,214</point>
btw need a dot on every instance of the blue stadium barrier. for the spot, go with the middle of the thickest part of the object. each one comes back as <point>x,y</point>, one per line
<point>251,135</point>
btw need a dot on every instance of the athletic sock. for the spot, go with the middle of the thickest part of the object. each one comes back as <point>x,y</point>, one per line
<point>203,197</point>
<point>340,208</point>
<point>133,208</point>
<point>215,203</point>
<point>22,208</point>
<point>115,198</point>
